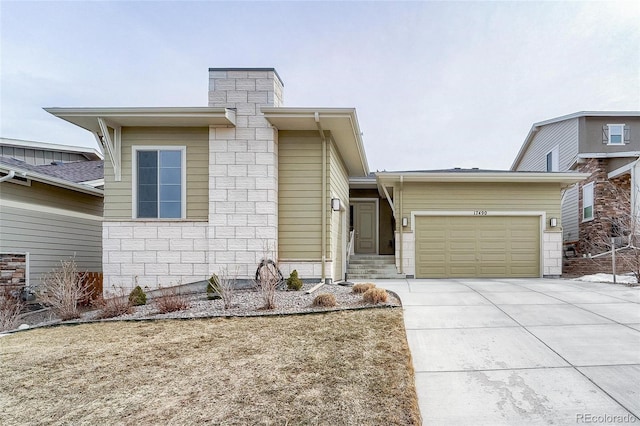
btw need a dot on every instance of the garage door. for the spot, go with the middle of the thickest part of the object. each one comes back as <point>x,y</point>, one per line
<point>477,246</point>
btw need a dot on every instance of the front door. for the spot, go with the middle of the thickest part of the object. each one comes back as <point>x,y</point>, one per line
<point>365,225</point>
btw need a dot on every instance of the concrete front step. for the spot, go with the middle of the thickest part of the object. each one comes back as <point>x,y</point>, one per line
<point>372,266</point>
<point>371,262</point>
<point>375,276</point>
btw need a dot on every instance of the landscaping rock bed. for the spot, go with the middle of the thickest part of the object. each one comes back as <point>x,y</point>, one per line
<point>245,303</point>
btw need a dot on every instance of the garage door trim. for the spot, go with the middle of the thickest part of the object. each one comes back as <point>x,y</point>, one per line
<point>483,213</point>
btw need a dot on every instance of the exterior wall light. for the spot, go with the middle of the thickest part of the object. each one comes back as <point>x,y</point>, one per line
<point>335,204</point>
<point>405,221</point>
<point>553,222</point>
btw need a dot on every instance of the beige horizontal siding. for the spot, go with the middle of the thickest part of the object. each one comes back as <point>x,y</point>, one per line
<point>299,195</point>
<point>118,196</point>
<point>51,196</point>
<point>481,196</point>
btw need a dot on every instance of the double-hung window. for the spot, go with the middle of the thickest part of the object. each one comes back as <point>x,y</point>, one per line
<point>616,134</point>
<point>587,202</point>
<point>552,160</point>
<point>159,183</point>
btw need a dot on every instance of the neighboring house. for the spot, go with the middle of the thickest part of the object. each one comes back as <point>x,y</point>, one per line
<point>50,209</point>
<point>190,191</point>
<point>606,146</point>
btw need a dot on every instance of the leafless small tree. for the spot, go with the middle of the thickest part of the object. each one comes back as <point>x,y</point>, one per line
<point>10,309</point>
<point>268,278</point>
<point>224,284</point>
<point>622,232</point>
<point>63,288</point>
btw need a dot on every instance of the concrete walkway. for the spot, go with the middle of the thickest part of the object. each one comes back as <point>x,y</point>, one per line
<point>523,351</point>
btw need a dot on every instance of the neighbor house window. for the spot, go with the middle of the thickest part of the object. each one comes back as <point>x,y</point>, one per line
<point>616,134</point>
<point>587,202</point>
<point>552,160</point>
<point>159,187</point>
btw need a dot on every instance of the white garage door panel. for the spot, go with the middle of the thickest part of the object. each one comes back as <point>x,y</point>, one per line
<point>477,246</point>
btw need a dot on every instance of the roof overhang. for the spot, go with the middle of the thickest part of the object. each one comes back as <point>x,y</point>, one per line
<point>563,179</point>
<point>87,118</point>
<point>50,180</point>
<point>341,122</point>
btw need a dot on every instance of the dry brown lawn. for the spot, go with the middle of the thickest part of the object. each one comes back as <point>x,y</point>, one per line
<point>338,368</point>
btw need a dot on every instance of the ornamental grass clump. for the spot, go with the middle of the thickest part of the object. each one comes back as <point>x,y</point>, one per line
<point>375,295</point>
<point>325,300</point>
<point>223,287</point>
<point>362,287</point>
<point>294,283</point>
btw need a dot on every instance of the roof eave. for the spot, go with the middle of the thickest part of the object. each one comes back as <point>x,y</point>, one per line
<point>275,114</point>
<point>50,180</point>
<point>543,177</point>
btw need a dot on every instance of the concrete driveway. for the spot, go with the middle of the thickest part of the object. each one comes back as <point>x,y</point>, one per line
<point>523,351</point>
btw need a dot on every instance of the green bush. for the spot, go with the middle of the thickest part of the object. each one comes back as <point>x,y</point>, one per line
<point>213,288</point>
<point>293,282</point>
<point>137,297</point>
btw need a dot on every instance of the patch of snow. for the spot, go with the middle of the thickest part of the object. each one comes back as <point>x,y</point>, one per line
<point>607,278</point>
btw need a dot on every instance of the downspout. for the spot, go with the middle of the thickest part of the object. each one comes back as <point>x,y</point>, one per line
<point>400,222</point>
<point>9,176</point>
<point>323,207</point>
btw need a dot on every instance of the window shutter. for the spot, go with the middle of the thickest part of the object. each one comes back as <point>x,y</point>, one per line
<point>605,134</point>
<point>627,134</point>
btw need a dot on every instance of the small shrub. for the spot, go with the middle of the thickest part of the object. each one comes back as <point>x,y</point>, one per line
<point>137,297</point>
<point>10,308</point>
<point>362,287</point>
<point>212,288</point>
<point>170,300</point>
<point>375,295</point>
<point>293,282</point>
<point>268,278</point>
<point>114,306</point>
<point>325,300</point>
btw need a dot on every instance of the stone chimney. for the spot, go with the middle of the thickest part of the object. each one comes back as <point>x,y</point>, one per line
<point>243,170</point>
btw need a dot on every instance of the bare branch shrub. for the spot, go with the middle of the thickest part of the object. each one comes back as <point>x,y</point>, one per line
<point>362,287</point>
<point>268,278</point>
<point>10,309</point>
<point>224,284</point>
<point>325,300</point>
<point>375,295</point>
<point>115,304</point>
<point>64,288</point>
<point>171,300</point>
<point>623,228</point>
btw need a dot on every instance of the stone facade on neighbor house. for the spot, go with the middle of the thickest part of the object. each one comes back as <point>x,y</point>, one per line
<point>605,145</point>
<point>13,271</point>
<point>611,206</point>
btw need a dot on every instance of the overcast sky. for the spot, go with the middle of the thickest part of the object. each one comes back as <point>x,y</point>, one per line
<point>435,84</point>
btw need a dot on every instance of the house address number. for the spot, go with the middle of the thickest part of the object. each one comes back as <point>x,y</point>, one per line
<point>479,212</point>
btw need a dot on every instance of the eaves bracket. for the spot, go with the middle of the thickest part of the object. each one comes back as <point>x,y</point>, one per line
<point>110,137</point>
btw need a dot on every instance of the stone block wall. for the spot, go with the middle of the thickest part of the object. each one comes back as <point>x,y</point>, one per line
<point>552,253</point>
<point>155,253</point>
<point>13,270</point>
<point>243,171</point>
<point>611,203</point>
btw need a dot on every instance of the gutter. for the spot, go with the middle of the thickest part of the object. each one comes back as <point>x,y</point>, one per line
<point>9,176</point>
<point>50,180</point>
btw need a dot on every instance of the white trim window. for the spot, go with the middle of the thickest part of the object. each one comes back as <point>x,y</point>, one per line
<point>159,182</point>
<point>616,134</point>
<point>587,202</point>
<point>552,160</point>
